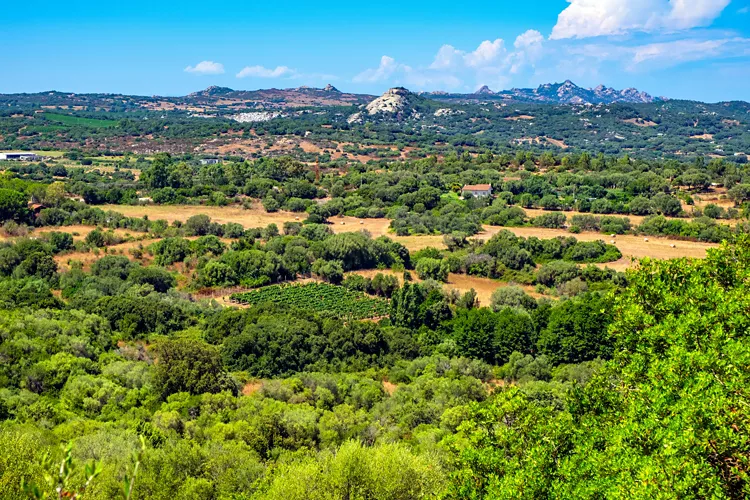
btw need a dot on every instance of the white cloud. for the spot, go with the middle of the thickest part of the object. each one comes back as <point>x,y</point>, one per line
<point>448,57</point>
<point>588,18</point>
<point>529,49</point>
<point>490,62</point>
<point>658,55</point>
<point>206,68</point>
<point>486,54</point>
<point>262,72</point>
<point>383,72</point>
<point>679,51</point>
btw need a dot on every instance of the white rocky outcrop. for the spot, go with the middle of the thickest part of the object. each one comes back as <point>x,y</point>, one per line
<point>255,116</point>
<point>355,118</point>
<point>393,101</point>
<point>448,112</point>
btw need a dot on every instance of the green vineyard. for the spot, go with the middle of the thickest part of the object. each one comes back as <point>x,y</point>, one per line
<point>318,297</point>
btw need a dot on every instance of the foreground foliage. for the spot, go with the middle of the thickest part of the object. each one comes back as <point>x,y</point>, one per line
<point>666,419</point>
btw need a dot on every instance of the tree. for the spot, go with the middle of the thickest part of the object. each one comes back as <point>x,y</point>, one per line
<point>666,205</point>
<point>641,206</point>
<point>197,225</point>
<point>54,195</point>
<point>511,296</point>
<point>739,193</point>
<point>13,206</point>
<point>432,269</point>
<point>329,270</point>
<point>474,333</point>
<point>38,264</point>
<point>96,238</point>
<point>217,274</point>
<point>156,176</point>
<point>577,330</point>
<point>188,365</point>
<point>158,277</point>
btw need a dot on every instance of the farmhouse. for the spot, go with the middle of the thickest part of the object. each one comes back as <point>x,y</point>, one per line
<point>210,161</point>
<point>36,208</point>
<point>20,156</point>
<point>477,190</point>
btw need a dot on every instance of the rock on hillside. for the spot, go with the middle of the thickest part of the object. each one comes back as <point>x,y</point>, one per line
<point>484,90</point>
<point>448,112</point>
<point>331,88</point>
<point>213,90</point>
<point>395,101</point>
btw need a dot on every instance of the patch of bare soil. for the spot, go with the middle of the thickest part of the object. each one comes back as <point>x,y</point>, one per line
<point>556,142</point>
<point>252,387</point>
<point>640,122</point>
<point>389,388</point>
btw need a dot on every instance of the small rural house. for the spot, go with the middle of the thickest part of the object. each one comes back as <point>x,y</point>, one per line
<point>209,161</point>
<point>477,190</point>
<point>36,208</point>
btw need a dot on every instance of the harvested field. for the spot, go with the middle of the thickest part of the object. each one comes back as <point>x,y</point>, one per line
<point>88,258</point>
<point>636,220</point>
<point>630,246</point>
<point>461,282</point>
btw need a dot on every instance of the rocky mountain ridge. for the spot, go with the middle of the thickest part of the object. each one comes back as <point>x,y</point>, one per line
<point>565,93</point>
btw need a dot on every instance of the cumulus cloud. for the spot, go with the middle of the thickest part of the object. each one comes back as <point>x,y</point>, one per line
<point>589,18</point>
<point>489,62</point>
<point>529,48</point>
<point>262,72</point>
<point>487,53</point>
<point>383,72</point>
<point>448,57</point>
<point>206,68</point>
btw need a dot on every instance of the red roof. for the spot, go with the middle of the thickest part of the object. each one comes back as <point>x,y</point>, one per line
<point>477,187</point>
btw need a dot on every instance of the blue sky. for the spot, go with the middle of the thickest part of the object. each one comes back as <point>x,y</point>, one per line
<point>696,49</point>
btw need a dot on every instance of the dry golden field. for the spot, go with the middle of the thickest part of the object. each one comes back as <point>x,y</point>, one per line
<point>631,246</point>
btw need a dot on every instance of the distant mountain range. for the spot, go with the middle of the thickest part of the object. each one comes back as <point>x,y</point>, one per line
<point>225,98</point>
<point>550,93</point>
<point>557,93</point>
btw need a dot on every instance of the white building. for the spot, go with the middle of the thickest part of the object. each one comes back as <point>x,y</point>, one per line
<point>210,161</point>
<point>477,190</point>
<point>19,156</point>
